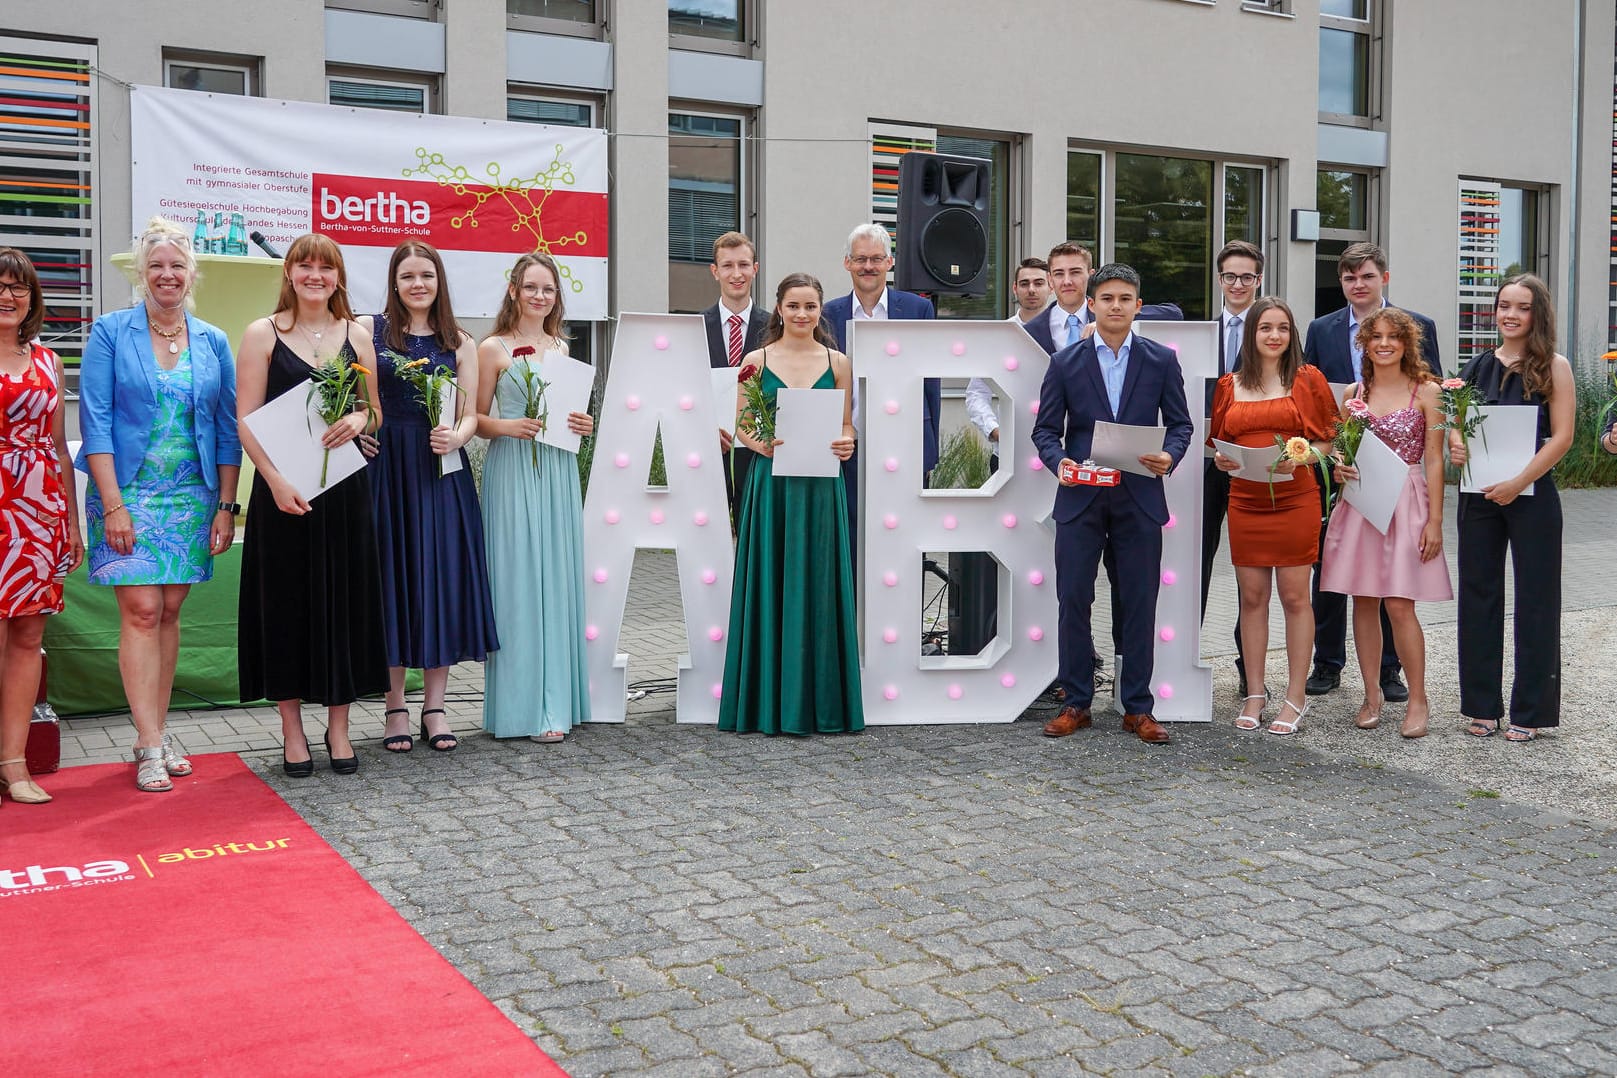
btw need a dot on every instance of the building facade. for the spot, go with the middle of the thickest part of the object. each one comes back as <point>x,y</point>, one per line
<point>1468,139</point>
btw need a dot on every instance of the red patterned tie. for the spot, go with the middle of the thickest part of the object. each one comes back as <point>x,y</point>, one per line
<point>735,339</point>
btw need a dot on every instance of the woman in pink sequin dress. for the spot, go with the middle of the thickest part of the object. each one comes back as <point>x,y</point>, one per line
<point>1405,565</point>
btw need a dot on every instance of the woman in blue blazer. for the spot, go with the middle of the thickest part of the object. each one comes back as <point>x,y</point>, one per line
<point>157,410</point>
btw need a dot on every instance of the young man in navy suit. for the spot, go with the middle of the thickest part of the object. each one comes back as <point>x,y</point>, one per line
<point>1069,318</point>
<point>1330,346</point>
<point>1117,377</point>
<point>867,257</point>
<point>734,326</point>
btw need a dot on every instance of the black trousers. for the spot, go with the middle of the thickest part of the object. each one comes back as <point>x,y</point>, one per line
<point>1331,620</point>
<point>1530,528</point>
<point>739,459</point>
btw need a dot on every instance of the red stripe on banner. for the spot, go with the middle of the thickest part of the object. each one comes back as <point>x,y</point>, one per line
<point>374,211</point>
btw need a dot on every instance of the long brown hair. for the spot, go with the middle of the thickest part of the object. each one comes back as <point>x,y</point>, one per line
<point>1250,375</point>
<point>776,329</point>
<point>17,264</point>
<point>314,247</point>
<point>441,316</point>
<point>1538,358</point>
<point>1413,365</point>
<point>510,314</point>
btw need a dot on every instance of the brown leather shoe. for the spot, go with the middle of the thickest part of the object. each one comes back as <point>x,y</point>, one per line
<point>1149,729</point>
<point>1068,721</point>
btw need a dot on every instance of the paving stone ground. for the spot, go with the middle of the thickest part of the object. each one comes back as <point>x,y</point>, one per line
<point>661,899</point>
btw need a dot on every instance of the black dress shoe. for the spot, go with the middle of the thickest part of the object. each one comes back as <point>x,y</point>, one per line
<point>1392,686</point>
<point>1324,679</point>
<point>342,765</point>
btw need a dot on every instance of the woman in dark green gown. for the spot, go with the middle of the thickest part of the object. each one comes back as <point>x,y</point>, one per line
<point>792,661</point>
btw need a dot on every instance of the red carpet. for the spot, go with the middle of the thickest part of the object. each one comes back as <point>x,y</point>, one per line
<point>211,931</point>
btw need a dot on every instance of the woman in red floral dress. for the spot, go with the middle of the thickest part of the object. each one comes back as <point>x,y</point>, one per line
<point>39,535</point>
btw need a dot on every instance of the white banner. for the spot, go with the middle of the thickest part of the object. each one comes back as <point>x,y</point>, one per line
<point>481,191</point>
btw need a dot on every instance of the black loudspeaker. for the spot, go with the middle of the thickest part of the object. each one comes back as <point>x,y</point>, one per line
<point>942,224</point>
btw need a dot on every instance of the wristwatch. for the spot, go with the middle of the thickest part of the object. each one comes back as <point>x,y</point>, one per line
<point>232,508</point>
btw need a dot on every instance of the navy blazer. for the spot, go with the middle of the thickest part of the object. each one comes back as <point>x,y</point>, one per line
<point>1039,328</point>
<point>718,336</point>
<point>1073,398</point>
<point>118,395</point>
<point>900,306</point>
<point>1327,348</point>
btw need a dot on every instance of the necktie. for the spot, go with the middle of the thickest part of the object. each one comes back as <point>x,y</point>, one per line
<point>1232,346</point>
<point>735,339</point>
<point>1073,330</point>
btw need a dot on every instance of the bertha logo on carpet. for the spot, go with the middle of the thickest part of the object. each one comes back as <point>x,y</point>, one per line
<point>238,923</point>
<point>37,879</point>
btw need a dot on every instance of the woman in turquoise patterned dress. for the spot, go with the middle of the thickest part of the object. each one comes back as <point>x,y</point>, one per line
<point>791,665</point>
<point>533,523</point>
<point>157,409</point>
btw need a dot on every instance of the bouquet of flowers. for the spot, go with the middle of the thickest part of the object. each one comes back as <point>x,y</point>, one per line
<point>340,389</point>
<point>1350,432</point>
<point>1610,406</point>
<point>534,405</point>
<point>1300,451</point>
<point>429,388</point>
<point>757,415</point>
<point>1459,400</point>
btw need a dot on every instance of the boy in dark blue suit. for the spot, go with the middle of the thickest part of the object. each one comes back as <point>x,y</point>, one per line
<point>1117,377</point>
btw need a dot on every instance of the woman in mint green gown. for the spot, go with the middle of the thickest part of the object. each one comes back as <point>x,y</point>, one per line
<point>792,661</point>
<point>535,685</point>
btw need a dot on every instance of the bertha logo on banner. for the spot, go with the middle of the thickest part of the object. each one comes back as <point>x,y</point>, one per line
<point>481,191</point>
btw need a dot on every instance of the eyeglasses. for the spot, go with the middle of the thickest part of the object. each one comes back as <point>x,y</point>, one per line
<point>17,289</point>
<point>868,260</point>
<point>532,290</point>
<point>1246,279</point>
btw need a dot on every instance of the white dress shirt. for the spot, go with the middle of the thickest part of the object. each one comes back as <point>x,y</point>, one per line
<point>878,314</point>
<point>1058,323</point>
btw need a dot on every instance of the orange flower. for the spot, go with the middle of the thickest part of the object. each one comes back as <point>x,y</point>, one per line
<point>1298,449</point>
<point>362,369</point>
<point>1610,357</point>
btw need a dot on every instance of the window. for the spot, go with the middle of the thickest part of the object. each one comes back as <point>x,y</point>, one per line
<point>720,20</point>
<point>1166,216</point>
<point>1343,198</point>
<point>1499,236</point>
<point>1345,66</point>
<point>995,302</point>
<point>558,112</point>
<point>213,73</point>
<point>414,9</point>
<point>572,17</point>
<point>394,94</point>
<point>704,201</point>
<point>48,181</point>
<point>1083,202</point>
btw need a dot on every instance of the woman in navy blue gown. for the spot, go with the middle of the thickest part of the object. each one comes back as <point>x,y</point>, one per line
<point>436,609</point>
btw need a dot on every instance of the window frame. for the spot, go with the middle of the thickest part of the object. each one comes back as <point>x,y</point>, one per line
<point>431,85</point>
<point>742,46</point>
<point>746,164</point>
<point>429,10</point>
<point>1370,28</point>
<point>596,103</point>
<point>251,68</point>
<point>1105,248</point>
<point>544,24</point>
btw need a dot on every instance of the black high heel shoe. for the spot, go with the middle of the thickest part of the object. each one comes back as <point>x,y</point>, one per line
<point>302,769</point>
<point>345,765</point>
<point>445,742</point>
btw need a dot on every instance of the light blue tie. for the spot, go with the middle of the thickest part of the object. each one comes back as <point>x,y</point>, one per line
<point>1232,349</point>
<point>1073,330</point>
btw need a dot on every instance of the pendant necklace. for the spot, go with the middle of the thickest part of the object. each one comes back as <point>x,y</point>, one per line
<point>168,335</point>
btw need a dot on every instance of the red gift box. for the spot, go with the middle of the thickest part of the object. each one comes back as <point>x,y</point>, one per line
<point>1090,474</point>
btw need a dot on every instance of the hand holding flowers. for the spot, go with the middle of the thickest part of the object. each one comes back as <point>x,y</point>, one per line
<point>757,418</point>
<point>431,390</point>
<point>1296,452</point>
<point>534,405</point>
<point>1459,400</point>
<point>339,392</point>
<point>1349,435</point>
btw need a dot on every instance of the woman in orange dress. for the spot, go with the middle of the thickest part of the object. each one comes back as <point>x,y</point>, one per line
<point>39,537</point>
<point>1274,526</point>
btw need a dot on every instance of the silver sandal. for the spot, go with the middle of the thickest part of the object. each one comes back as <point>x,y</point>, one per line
<point>150,775</point>
<point>175,763</point>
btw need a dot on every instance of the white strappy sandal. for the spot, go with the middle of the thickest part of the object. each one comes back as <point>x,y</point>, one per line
<point>1290,725</point>
<point>1243,721</point>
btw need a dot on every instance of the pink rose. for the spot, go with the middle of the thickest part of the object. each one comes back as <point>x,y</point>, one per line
<point>1357,408</point>
<point>1453,383</point>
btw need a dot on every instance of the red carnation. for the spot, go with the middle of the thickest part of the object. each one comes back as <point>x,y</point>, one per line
<point>747,372</point>
<point>525,350</point>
